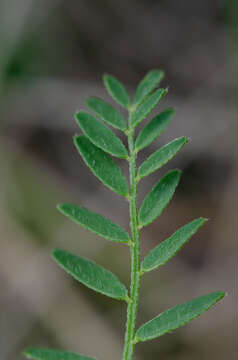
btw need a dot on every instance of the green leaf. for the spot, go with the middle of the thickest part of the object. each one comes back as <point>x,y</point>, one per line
<point>145,109</point>
<point>153,129</point>
<point>177,317</point>
<point>147,85</point>
<point>90,274</point>
<point>102,165</point>
<point>100,135</point>
<point>161,157</point>
<point>158,198</point>
<point>94,222</point>
<point>47,354</point>
<point>107,113</point>
<point>169,247</point>
<point>116,90</point>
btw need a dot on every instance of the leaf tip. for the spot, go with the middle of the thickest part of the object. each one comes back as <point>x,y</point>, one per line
<point>171,110</point>
<point>75,137</point>
<point>160,72</point>
<point>187,139</point>
<point>162,91</point>
<point>203,220</point>
<point>176,172</point>
<point>106,77</point>
<point>218,295</point>
<point>76,115</point>
<point>60,207</point>
<point>27,352</point>
<point>55,254</point>
<point>88,100</point>
<point>64,208</point>
<point>76,140</point>
<point>221,295</point>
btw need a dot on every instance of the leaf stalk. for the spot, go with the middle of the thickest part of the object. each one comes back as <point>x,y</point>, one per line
<point>135,249</point>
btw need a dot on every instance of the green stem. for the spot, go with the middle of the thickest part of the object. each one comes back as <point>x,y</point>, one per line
<point>135,252</point>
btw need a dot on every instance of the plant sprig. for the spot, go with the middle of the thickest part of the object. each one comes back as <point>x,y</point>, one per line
<point>96,146</point>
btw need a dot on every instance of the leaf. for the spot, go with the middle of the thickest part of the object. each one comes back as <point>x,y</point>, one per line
<point>106,112</point>
<point>48,354</point>
<point>95,222</point>
<point>90,274</point>
<point>147,85</point>
<point>169,247</point>
<point>177,317</point>
<point>158,198</point>
<point>153,129</point>
<point>161,157</point>
<point>145,109</point>
<point>100,135</point>
<point>116,90</point>
<point>102,165</point>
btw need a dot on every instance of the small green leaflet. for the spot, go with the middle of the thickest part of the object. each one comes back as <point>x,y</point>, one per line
<point>102,165</point>
<point>159,197</point>
<point>161,157</point>
<point>147,85</point>
<point>94,222</point>
<point>177,317</point>
<point>153,129</point>
<point>47,354</point>
<point>106,112</point>
<point>90,274</point>
<point>116,90</point>
<point>100,135</point>
<point>169,247</point>
<point>147,106</point>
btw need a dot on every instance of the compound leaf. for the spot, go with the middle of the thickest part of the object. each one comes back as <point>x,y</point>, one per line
<point>106,112</point>
<point>147,85</point>
<point>153,129</point>
<point>96,223</point>
<point>161,157</point>
<point>177,317</point>
<point>147,106</point>
<point>100,135</point>
<point>169,247</point>
<point>158,198</point>
<point>90,274</point>
<point>48,354</point>
<point>102,165</point>
<point>116,90</point>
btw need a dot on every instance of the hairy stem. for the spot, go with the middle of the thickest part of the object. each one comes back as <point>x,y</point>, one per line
<point>135,252</point>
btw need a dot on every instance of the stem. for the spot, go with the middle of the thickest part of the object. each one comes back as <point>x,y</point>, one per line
<point>135,251</point>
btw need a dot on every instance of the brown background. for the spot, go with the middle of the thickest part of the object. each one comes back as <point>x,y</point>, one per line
<point>53,54</point>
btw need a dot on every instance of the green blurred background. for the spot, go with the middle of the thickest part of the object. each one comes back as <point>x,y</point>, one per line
<point>53,54</point>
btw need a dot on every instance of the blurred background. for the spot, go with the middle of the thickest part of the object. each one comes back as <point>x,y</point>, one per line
<point>53,54</point>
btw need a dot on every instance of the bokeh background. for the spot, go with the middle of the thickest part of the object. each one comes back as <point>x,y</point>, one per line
<point>53,54</point>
